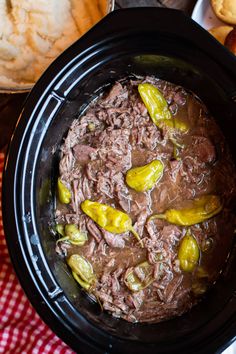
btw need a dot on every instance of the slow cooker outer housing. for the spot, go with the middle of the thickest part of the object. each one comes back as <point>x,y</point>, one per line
<point>137,41</point>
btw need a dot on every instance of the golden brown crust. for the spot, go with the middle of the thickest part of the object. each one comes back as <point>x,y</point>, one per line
<point>225,10</point>
<point>220,33</point>
<point>230,41</point>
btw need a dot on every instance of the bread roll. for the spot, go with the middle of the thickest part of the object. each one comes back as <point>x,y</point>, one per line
<point>220,33</point>
<point>230,41</point>
<point>225,10</point>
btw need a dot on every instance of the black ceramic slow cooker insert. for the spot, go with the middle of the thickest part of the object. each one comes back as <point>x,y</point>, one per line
<point>140,41</point>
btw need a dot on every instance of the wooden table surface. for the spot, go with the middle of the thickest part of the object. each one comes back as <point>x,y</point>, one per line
<point>11,105</point>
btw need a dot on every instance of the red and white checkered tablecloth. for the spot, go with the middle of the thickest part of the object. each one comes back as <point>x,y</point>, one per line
<point>21,329</point>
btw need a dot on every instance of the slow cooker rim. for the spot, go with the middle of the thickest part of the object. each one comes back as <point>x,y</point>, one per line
<point>8,175</point>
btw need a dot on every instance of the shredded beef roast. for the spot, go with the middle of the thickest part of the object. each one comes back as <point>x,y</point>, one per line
<point>115,134</point>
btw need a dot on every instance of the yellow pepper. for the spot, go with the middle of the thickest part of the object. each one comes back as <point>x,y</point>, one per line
<point>82,271</point>
<point>144,177</point>
<point>202,209</point>
<point>155,103</point>
<point>180,125</point>
<point>134,283</point>
<point>199,288</point>
<point>60,229</point>
<point>158,108</point>
<point>72,234</point>
<point>109,218</point>
<point>64,193</point>
<point>202,273</point>
<point>188,253</point>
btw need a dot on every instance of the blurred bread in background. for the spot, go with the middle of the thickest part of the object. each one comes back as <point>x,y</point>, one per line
<point>221,32</point>
<point>230,41</point>
<point>33,33</point>
<point>225,10</point>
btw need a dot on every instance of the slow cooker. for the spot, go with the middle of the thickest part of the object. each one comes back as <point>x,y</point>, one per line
<point>139,41</point>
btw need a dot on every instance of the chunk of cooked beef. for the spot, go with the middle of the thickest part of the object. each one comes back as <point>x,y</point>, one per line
<point>141,221</point>
<point>82,153</point>
<point>116,96</point>
<point>202,149</point>
<point>94,230</point>
<point>113,240</point>
<point>62,248</point>
<point>90,248</point>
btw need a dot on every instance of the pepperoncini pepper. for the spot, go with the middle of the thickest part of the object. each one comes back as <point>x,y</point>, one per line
<point>199,288</point>
<point>155,103</point>
<point>60,229</point>
<point>109,218</point>
<point>188,253</point>
<point>72,234</point>
<point>202,273</point>
<point>144,177</point>
<point>82,271</point>
<point>202,209</point>
<point>64,193</point>
<point>180,125</point>
<point>158,108</point>
<point>133,282</point>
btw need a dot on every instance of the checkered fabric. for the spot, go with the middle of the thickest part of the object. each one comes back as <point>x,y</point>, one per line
<point>21,329</point>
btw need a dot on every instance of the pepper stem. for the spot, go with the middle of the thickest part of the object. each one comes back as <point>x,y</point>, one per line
<point>66,238</point>
<point>137,236</point>
<point>98,301</point>
<point>83,283</point>
<point>176,143</point>
<point>158,216</point>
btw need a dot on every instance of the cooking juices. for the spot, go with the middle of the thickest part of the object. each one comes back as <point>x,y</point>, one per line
<point>145,190</point>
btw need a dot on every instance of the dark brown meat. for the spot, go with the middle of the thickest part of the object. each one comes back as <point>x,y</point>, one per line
<point>124,199</point>
<point>82,153</point>
<point>172,288</point>
<point>116,96</point>
<point>94,230</point>
<point>89,251</point>
<point>141,221</point>
<point>113,240</point>
<point>62,248</point>
<point>202,149</point>
<point>104,186</point>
